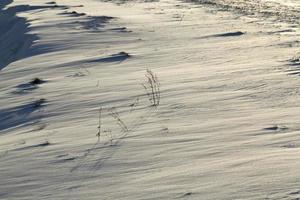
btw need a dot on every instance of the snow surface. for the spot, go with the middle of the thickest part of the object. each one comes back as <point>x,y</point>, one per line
<point>227,126</point>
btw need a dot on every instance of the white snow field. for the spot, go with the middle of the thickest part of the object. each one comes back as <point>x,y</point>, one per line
<point>226,124</point>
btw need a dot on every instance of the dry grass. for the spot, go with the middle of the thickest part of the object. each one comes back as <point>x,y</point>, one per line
<point>152,88</point>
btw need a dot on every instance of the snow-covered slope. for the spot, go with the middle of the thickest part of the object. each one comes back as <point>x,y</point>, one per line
<point>227,125</point>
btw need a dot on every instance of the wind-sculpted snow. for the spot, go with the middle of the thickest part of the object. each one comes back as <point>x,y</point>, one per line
<point>158,100</point>
<point>268,9</point>
<point>15,40</point>
<point>26,114</point>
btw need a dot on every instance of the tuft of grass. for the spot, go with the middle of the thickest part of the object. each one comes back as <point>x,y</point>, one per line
<point>36,81</point>
<point>152,88</point>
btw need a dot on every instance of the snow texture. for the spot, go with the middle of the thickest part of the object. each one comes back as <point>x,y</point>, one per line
<point>149,100</point>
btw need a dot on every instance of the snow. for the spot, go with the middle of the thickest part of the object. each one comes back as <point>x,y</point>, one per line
<point>227,125</point>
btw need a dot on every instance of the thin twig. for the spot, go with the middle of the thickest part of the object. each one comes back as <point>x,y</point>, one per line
<point>99,124</point>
